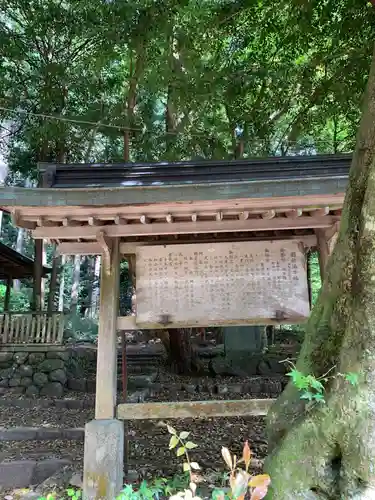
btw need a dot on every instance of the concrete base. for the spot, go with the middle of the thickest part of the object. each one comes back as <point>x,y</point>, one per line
<point>103,460</point>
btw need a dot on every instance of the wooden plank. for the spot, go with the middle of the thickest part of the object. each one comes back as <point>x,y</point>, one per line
<point>128,248</point>
<point>224,226</point>
<point>106,373</point>
<point>225,283</point>
<point>191,208</point>
<point>194,409</point>
<point>130,323</point>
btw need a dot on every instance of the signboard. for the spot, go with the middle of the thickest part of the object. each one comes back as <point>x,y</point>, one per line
<point>255,282</point>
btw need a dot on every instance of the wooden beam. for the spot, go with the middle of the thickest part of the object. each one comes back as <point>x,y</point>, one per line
<point>194,409</point>
<point>106,373</point>
<point>91,248</point>
<point>298,212</point>
<point>323,250</point>
<point>270,214</point>
<point>106,245</point>
<point>69,222</point>
<point>144,219</point>
<point>321,212</point>
<point>250,225</point>
<point>130,323</point>
<point>243,215</point>
<point>127,248</point>
<point>120,221</point>
<point>93,221</point>
<point>18,221</point>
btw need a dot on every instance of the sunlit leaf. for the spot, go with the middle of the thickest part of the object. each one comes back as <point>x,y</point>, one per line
<point>195,466</point>
<point>181,451</point>
<point>260,481</point>
<point>171,430</point>
<point>173,442</point>
<point>190,445</point>
<point>352,378</point>
<point>227,457</point>
<point>184,435</point>
<point>240,484</point>
<point>258,493</point>
<point>186,467</point>
<point>246,454</point>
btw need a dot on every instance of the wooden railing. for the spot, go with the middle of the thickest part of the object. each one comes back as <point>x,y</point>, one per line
<point>32,328</point>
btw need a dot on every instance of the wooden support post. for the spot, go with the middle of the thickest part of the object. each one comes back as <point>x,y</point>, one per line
<point>106,374</point>
<point>323,250</point>
<point>7,294</point>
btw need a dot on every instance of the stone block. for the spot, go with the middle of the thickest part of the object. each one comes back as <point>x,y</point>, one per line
<point>64,355</point>
<point>40,379</point>
<point>46,468</point>
<point>4,382</point>
<point>17,474</point>
<point>73,404</point>
<point>6,373</point>
<point>15,390</point>
<point>20,357</point>
<point>77,384</point>
<point>14,382</point>
<point>49,365</point>
<point>52,390</point>
<point>77,434</point>
<point>58,376</point>
<point>32,391</point>
<point>26,381</point>
<point>91,385</point>
<point>26,370</point>
<point>6,359</point>
<point>18,434</point>
<point>103,459</point>
<point>36,357</point>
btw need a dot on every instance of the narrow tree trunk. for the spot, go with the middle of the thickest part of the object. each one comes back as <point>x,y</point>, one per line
<point>62,283</point>
<point>44,280</point>
<point>38,266</point>
<point>75,285</point>
<point>19,249</point>
<point>327,450</point>
<point>53,281</point>
<point>1,222</point>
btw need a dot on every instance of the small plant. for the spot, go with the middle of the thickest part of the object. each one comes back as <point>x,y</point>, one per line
<point>241,482</point>
<point>312,388</point>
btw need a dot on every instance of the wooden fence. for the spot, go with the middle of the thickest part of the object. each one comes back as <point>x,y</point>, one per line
<point>32,328</point>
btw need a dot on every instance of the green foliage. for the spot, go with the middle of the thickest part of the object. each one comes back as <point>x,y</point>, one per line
<point>312,388</point>
<point>19,301</point>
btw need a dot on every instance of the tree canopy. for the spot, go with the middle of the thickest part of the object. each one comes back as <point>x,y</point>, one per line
<point>151,80</point>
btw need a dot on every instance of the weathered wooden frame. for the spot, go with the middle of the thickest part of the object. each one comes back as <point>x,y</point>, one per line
<point>194,409</point>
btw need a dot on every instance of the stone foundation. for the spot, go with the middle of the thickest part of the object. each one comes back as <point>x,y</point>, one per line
<point>35,373</point>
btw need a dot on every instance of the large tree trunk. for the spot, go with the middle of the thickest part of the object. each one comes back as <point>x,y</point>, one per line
<point>181,358</point>
<point>327,450</point>
<point>75,285</point>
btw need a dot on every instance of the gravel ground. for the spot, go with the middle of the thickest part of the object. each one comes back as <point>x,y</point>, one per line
<point>146,436</point>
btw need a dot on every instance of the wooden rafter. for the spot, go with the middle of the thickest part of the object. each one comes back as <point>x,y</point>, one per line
<point>249,225</point>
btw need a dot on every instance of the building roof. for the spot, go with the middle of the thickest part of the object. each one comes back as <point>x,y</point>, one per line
<point>99,175</point>
<point>15,264</point>
<point>281,197</point>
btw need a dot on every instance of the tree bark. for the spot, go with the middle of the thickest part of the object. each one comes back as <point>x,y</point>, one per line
<point>181,357</point>
<point>53,281</point>
<point>75,285</point>
<point>327,450</point>
<point>62,284</point>
<point>19,249</point>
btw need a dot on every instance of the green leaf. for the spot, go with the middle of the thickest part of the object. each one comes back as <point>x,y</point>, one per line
<point>186,467</point>
<point>171,430</point>
<point>352,378</point>
<point>184,435</point>
<point>181,451</point>
<point>319,397</point>
<point>307,395</point>
<point>173,442</point>
<point>190,445</point>
<point>70,492</point>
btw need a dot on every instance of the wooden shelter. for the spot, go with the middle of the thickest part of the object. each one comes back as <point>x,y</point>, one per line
<point>14,265</point>
<point>172,218</point>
